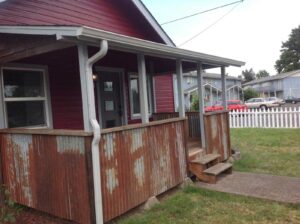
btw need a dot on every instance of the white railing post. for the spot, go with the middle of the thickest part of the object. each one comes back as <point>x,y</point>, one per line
<point>299,117</point>
<point>290,112</point>
<point>286,117</point>
<point>295,117</point>
<point>273,118</point>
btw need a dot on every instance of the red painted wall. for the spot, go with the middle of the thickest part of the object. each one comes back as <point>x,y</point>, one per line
<point>65,90</point>
<point>164,93</point>
<point>118,16</point>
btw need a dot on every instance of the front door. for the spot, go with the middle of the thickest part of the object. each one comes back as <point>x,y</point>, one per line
<point>109,89</point>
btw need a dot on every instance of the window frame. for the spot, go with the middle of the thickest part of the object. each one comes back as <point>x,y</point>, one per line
<point>149,94</point>
<point>46,99</point>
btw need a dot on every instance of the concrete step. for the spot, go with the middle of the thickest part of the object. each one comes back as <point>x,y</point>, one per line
<point>203,160</point>
<point>218,169</point>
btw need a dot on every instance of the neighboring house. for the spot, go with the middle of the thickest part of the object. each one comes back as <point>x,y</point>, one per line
<point>212,84</point>
<point>74,76</point>
<point>282,85</point>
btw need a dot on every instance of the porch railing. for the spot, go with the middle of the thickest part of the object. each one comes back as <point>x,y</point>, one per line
<point>140,161</point>
<point>193,121</point>
<point>217,133</point>
<point>217,130</point>
<point>50,170</point>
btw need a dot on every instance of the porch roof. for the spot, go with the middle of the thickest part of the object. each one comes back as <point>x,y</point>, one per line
<point>121,42</point>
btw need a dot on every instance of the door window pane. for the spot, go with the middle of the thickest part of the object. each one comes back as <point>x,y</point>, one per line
<point>28,113</point>
<point>22,83</point>
<point>134,88</point>
<point>108,86</point>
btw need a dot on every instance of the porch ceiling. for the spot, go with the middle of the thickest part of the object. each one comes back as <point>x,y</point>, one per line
<point>122,43</point>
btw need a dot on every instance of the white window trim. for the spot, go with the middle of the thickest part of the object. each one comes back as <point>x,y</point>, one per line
<point>149,93</point>
<point>46,98</point>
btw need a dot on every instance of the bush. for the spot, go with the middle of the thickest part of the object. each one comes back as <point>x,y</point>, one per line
<point>8,209</point>
<point>250,93</point>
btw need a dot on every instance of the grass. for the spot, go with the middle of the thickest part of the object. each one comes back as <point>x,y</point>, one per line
<point>272,151</point>
<point>195,205</point>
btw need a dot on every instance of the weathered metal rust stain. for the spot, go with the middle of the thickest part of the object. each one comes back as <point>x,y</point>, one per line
<point>48,173</point>
<point>146,161</point>
<point>70,144</point>
<point>19,150</point>
<point>218,134</point>
<point>112,181</point>
<point>109,145</point>
<point>139,170</point>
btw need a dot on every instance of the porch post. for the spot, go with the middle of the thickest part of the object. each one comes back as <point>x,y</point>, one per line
<point>181,108</point>
<point>83,57</point>
<point>224,94</point>
<point>152,86</point>
<point>201,103</point>
<point>211,96</point>
<point>143,88</point>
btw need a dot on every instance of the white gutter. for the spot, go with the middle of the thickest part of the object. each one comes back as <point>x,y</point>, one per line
<point>96,131</point>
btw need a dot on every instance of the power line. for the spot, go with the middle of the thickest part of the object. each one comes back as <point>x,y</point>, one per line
<point>211,25</point>
<point>198,13</point>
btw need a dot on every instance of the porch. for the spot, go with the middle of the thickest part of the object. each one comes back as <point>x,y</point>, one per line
<point>80,139</point>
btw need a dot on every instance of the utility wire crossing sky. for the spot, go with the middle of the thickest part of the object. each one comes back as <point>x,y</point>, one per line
<point>253,32</point>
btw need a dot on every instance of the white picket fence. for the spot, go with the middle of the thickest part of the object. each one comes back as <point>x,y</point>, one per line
<point>281,117</point>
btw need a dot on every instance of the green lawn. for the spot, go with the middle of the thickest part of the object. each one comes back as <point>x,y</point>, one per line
<point>194,205</point>
<point>273,151</point>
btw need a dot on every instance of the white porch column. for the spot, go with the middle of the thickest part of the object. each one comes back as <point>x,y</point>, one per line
<point>211,96</point>
<point>224,94</point>
<point>143,88</point>
<point>152,86</point>
<point>181,108</point>
<point>201,103</point>
<point>83,57</point>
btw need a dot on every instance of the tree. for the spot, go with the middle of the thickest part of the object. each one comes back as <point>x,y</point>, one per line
<point>290,53</point>
<point>261,74</point>
<point>250,93</point>
<point>248,75</point>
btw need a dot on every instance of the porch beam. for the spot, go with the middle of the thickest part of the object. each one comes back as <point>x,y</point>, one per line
<point>224,94</point>
<point>201,103</point>
<point>33,51</point>
<point>143,88</point>
<point>181,108</point>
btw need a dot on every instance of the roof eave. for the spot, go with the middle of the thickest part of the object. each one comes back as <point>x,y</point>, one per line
<point>153,22</point>
<point>122,42</point>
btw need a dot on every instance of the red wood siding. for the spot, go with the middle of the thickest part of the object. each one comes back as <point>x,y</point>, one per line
<point>118,16</point>
<point>164,93</point>
<point>65,90</point>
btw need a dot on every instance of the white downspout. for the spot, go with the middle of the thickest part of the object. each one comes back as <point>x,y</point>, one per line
<point>96,130</point>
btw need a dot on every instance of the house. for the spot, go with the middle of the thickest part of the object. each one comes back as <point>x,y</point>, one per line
<point>281,85</point>
<point>212,85</point>
<point>78,135</point>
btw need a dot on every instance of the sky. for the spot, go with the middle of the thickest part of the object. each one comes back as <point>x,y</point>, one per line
<point>252,32</point>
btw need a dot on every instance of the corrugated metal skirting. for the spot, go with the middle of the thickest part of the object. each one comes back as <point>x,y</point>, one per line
<point>139,163</point>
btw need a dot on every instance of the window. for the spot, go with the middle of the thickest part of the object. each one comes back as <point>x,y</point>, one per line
<point>135,96</point>
<point>25,98</point>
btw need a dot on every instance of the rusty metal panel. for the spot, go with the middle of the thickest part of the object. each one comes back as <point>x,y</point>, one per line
<point>217,133</point>
<point>48,173</point>
<point>139,163</point>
